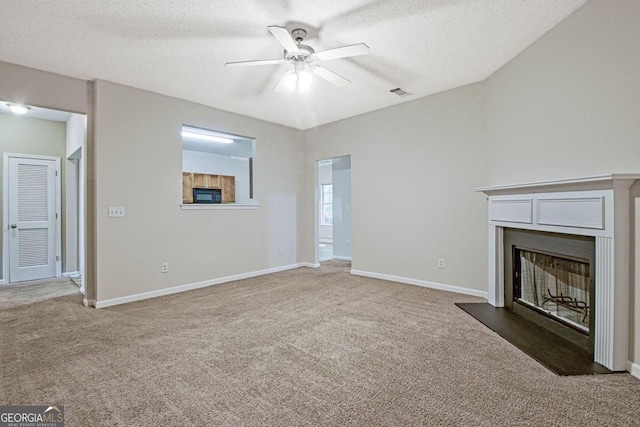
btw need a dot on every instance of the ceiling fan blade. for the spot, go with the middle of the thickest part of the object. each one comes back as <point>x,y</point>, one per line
<point>253,63</point>
<point>343,52</point>
<point>284,38</point>
<point>330,76</point>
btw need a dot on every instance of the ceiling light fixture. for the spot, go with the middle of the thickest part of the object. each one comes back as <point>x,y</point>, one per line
<point>290,80</point>
<point>205,137</point>
<point>298,78</point>
<point>18,109</point>
<point>304,80</point>
<point>304,59</point>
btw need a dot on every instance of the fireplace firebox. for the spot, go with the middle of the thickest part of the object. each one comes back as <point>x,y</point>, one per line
<point>549,280</point>
<point>555,285</point>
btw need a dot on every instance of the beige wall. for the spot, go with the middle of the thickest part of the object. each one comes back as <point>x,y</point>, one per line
<point>139,166</point>
<point>29,86</point>
<point>412,170</point>
<point>24,135</point>
<point>569,105</point>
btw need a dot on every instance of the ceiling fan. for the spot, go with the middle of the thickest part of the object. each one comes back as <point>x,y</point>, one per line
<point>303,60</point>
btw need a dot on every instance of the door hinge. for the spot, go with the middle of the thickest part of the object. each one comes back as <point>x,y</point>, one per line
<point>57,258</point>
<point>56,215</point>
<point>56,173</point>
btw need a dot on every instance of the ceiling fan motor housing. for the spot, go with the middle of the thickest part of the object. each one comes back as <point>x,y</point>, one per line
<point>303,53</point>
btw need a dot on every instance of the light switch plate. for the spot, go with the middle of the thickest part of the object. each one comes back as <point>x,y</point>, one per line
<point>116,212</point>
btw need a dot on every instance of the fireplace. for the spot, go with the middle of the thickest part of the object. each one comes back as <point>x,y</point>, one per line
<point>576,231</point>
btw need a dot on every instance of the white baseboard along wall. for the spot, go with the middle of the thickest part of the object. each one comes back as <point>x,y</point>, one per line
<point>191,286</point>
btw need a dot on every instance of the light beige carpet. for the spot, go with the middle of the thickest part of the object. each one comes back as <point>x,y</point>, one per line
<point>307,347</point>
<point>14,295</point>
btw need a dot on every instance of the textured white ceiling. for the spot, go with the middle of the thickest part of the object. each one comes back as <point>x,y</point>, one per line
<point>179,47</point>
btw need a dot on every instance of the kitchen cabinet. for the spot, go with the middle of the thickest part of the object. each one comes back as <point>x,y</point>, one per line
<point>228,185</point>
<point>200,180</point>
<point>203,180</point>
<point>191,180</point>
<point>187,187</point>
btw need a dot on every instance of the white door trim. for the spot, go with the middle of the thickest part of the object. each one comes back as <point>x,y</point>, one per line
<point>5,212</point>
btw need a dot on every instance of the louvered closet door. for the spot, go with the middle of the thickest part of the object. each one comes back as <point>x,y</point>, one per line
<point>32,219</point>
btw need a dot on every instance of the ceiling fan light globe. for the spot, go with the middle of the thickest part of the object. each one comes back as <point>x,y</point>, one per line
<point>305,79</point>
<point>290,80</point>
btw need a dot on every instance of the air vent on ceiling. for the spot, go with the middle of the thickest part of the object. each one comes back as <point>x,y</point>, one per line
<point>400,92</point>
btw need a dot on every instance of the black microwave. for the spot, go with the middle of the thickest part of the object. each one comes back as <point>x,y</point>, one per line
<point>207,195</point>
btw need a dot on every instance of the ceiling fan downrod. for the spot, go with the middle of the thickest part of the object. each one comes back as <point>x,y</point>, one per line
<point>298,35</point>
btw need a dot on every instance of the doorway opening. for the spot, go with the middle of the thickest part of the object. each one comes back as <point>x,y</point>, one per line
<point>333,207</point>
<point>43,197</point>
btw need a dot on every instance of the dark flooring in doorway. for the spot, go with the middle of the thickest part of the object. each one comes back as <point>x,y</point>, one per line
<point>553,352</point>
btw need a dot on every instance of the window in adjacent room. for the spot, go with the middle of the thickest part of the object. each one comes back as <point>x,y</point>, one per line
<point>326,214</point>
<point>217,167</point>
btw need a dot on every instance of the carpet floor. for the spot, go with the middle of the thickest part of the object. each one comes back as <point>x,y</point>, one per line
<point>306,347</point>
<point>15,295</point>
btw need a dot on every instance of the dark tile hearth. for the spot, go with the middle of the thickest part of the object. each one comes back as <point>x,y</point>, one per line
<point>553,352</point>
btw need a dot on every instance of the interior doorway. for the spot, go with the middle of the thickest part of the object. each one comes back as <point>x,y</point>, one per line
<point>333,207</point>
<point>42,133</point>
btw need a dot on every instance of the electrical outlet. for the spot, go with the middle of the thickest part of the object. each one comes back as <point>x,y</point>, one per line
<point>165,267</point>
<point>440,262</point>
<point>281,250</point>
<point>116,212</point>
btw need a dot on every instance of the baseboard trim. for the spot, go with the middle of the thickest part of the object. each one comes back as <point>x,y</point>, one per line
<point>190,286</point>
<point>423,283</point>
<point>88,302</point>
<point>71,274</point>
<point>635,370</point>
<point>309,264</point>
<point>342,258</point>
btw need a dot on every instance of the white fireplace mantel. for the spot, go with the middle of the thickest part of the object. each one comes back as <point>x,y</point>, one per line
<point>595,206</point>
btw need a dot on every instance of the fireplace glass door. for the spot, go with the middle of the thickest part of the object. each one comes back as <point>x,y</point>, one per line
<point>558,286</point>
